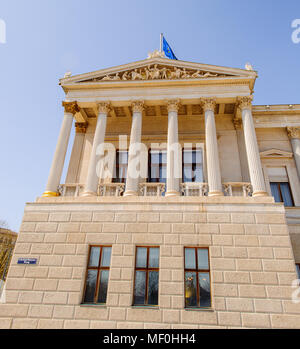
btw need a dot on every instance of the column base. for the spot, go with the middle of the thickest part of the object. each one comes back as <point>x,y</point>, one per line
<point>48,194</point>
<point>259,193</point>
<point>172,193</point>
<point>88,193</point>
<point>215,193</point>
<point>130,193</point>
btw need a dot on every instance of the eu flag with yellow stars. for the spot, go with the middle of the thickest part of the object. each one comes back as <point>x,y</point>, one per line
<point>167,50</point>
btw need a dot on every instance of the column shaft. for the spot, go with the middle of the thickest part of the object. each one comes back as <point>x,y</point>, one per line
<point>212,154</point>
<point>254,163</point>
<point>134,163</point>
<point>61,149</point>
<point>294,135</point>
<point>92,180</point>
<point>173,158</point>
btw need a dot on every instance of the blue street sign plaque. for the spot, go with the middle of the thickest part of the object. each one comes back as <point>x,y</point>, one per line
<point>27,260</point>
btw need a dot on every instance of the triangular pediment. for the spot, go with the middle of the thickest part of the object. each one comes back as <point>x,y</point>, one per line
<point>159,69</point>
<point>275,153</point>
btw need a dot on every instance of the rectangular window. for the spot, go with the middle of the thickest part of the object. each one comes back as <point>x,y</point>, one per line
<point>146,276</point>
<point>121,166</point>
<point>282,193</point>
<point>197,277</point>
<point>97,274</point>
<point>298,270</point>
<point>192,165</point>
<point>157,166</point>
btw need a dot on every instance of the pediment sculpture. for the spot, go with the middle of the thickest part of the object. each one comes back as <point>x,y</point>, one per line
<point>156,72</point>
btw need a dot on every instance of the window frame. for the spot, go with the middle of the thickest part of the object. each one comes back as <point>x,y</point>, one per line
<point>99,269</point>
<point>159,165</point>
<point>197,271</point>
<point>280,194</point>
<point>298,269</point>
<point>193,149</point>
<point>116,178</point>
<point>147,270</point>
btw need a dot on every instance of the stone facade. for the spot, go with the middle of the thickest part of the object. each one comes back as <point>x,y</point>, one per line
<point>253,241</point>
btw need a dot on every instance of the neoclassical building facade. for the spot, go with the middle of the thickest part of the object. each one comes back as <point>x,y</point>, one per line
<point>180,208</point>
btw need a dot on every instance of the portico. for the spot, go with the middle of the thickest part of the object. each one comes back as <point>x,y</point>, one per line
<point>180,196</point>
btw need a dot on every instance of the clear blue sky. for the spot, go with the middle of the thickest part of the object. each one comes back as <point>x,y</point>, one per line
<point>46,38</point>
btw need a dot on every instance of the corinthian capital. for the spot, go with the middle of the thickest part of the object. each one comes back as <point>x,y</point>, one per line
<point>137,106</point>
<point>81,127</point>
<point>244,102</point>
<point>104,107</point>
<point>293,132</point>
<point>208,104</point>
<point>173,105</point>
<point>71,107</point>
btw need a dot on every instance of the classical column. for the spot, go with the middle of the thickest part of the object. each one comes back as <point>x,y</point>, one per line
<point>241,149</point>
<point>294,135</point>
<point>254,163</point>
<point>133,170</point>
<point>212,154</point>
<point>80,130</point>
<point>173,158</point>
<point>92,180</point>
<point>57,166</point>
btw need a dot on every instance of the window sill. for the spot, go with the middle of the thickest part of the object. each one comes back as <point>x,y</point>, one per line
<point>92,305</point>
<point>145,307</point>
<point>200,309</point>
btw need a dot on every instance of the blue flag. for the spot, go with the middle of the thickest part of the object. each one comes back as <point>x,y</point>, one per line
<point>167,50</point>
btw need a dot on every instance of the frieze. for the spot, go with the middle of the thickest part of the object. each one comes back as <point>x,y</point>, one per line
<point>157,72</point>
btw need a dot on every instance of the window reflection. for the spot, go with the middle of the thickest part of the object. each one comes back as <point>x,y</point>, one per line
<point>146,276</point>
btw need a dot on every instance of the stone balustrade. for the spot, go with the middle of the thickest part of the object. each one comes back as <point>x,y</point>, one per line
<point>70,189</point>
<point>237,189</point>
<point>111,189</point>
<point>152,189</point>
<point>194,189</point>
<point>158,189</point>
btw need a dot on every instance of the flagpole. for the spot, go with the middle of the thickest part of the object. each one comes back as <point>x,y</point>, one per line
<point>161,40</point>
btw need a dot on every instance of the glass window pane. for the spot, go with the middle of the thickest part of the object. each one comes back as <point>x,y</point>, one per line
<point>202,258</point>
<point>153,288</point>
<point>190,258</point>
<point>103,286</point>
<point>155,172</point>
<point>162,174</point>
<point>187,174</point>
<point>122,172</point>
<point>298,270</point>
<point>163,157</point>
<point>198,173</point>
<point>123,157</point>
<point>275,191</point>
<point>199,156</point>
<point>187,157</point>
<point>141,257</point>
<point>204,287</point>
<point>139,287</point>
<point>153,257</point>
<point>286,194</point>
<point>94,257</point>
<point>155,157</point>
<point>105,259</point>
<point>90,286</point>
<point>190,289</point>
